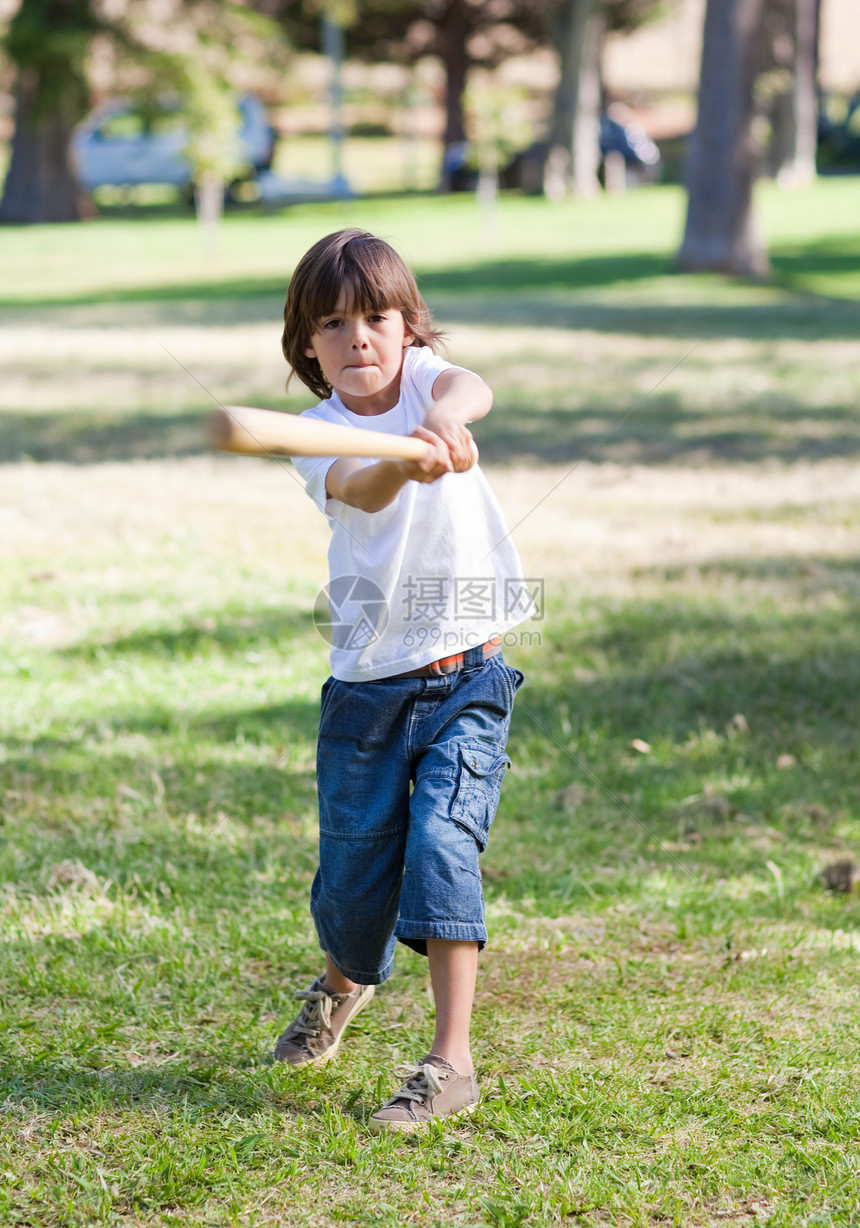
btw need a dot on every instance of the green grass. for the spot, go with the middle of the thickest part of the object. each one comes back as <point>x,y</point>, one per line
<point>666,1027</point>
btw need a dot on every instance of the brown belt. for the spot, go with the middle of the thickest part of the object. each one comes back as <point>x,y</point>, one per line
<point>450,665</point>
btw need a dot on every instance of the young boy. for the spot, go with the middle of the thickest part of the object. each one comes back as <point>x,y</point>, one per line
<point>424,580</point>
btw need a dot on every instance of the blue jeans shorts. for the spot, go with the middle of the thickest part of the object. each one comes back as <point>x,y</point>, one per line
<point>409,772</point>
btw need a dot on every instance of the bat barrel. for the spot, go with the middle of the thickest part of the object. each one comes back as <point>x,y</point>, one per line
<point>264,432</point>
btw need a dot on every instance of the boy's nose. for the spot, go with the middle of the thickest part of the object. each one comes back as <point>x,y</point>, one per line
<point>359,335</point>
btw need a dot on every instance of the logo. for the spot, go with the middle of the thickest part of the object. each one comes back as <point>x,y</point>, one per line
<point>351,612</point>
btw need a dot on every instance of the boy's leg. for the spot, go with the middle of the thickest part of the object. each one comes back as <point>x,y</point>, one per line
<point>363,776</point>
<point>335,979</point>
<point>443,1084</point>
<point>363,783</point>
<point>329,1006</point>
<point>453,972</point>
<point>452,805</point>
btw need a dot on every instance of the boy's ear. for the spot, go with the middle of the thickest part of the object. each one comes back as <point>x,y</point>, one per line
<point>310,352</point>
<point>408,337</point>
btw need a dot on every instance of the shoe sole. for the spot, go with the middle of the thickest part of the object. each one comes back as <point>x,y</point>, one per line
<point>331,1051</point>
<point>409,1127</point>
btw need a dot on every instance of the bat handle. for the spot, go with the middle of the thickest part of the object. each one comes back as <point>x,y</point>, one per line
<point>475,456</point>
<point>472,461</point>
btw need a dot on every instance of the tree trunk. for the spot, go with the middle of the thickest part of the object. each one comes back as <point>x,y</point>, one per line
<point>453,33</point>
<point>40,184</point>
<point>799,166</point>
<point>209,206</point>
<point>573,155</point>
<point>586,128</point>
<point>720,232</point>
<point>47,41</point>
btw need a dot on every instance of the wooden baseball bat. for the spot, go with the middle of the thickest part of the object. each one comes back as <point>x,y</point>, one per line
<point>266,432</point>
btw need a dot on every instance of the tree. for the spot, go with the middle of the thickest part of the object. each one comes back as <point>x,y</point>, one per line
<point>720,232</point>
<point>791,45</point>
<point>466,34</point>
<point>48,41</point>
<point>577,30</point>
<point>462,33</point>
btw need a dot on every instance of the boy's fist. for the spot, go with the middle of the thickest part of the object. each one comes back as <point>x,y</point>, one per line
<point>434,464</point>
<point>458,437</point>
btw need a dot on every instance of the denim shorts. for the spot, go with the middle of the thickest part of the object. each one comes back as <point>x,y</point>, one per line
<point>409,772</point>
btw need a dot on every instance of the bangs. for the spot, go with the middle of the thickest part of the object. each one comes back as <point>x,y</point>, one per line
<point>370,274</point>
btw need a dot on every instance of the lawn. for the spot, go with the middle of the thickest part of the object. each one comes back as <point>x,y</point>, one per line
<point>666,1028</point>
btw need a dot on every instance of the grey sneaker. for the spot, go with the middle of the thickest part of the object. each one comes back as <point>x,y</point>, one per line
<point>432,1090</point>
<point>316,1034</point>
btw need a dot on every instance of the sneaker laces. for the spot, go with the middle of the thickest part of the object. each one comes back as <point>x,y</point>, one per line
<point>420,1083</point>
<point>316,1012</point>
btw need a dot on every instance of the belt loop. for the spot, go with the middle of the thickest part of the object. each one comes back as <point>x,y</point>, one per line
<point>473,657</point>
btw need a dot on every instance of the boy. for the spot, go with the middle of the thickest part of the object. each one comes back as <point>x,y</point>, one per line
<point>424,581</point>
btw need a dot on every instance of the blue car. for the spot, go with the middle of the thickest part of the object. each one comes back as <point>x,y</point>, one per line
<point>632,142</point>
<point>838,134</point>
<point>641,157</point>
<point>121,144</point>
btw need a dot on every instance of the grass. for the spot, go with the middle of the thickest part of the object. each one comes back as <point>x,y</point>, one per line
<point>666,1024</point>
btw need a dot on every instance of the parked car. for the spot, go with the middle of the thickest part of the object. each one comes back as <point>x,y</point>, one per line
<point>641,157</point>
<point>631,141</point>
<point>120,143</point>
<point>838,134</point>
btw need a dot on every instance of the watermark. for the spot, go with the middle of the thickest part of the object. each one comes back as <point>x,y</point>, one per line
<point>448,642</point>
<point>352,613</point>
<point>427,599</point>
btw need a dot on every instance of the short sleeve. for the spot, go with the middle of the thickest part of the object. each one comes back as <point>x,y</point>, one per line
<point>313,471</point>
<point>421,369</point>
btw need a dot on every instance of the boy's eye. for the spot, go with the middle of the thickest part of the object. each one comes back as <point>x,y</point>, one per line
<point>331,323</point>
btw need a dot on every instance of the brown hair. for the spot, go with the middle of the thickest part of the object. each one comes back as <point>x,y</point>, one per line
<point>375,279</point>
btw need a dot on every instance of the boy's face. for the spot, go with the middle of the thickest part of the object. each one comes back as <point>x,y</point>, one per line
<point>361,353</point>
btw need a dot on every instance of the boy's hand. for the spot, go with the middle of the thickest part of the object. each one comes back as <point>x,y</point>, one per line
<point>434,465</point>
<point>457,436</point>
<point>459,397</point>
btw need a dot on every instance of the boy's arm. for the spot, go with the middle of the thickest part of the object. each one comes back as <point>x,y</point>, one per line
<point>370,488</point>
<point>459,396</point>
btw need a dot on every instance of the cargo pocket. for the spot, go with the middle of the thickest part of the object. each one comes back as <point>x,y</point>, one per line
<point>482,769</point>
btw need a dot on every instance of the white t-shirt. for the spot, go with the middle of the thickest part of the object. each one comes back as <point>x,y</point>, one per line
<point>430,575</point>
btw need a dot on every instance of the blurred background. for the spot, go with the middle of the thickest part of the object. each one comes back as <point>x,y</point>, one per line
<point>107,103</point>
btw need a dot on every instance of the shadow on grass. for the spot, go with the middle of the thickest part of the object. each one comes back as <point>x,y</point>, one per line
<point>660,430</point>
<point>838,255</point>
<point>720,689</point>
<point>66,1087</point>
<point>235,761</point>
<point>511,290</point>
<point>82,439</point>
<point>495,278</point>
<point>806,318</point>
<point>169,293</point>
<point>814,577</point>
<point>500,278</point>
<point>746,713</point>
<point>668,669</point>
<point>229,633</point>
<point>144,760</point>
